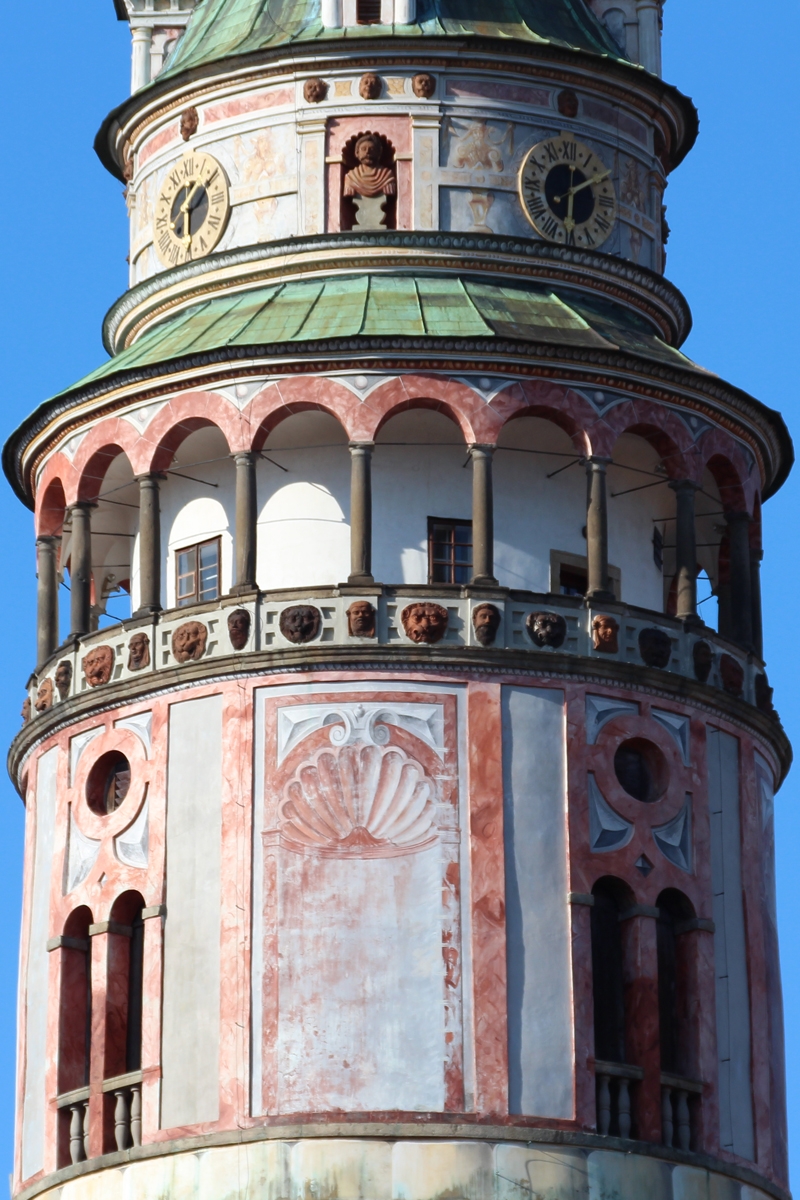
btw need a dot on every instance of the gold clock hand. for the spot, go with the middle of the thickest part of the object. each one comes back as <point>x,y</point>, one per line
<point>587,183</point>
<point>187,221</point>
<point>569,222</point>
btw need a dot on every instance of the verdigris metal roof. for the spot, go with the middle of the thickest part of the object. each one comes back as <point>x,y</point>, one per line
<point>220,29</point>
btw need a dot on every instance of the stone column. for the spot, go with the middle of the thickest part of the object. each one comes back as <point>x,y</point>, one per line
<point>685,550</point>
<point>756,557</point>
<point>360,513</point>
<point>482,515</point>
<point>80,575</point>
<point>246,523</point>
<point>741,619</point>
<point>47,598</point>
<point>142,37</point>
<point>149,546</point>
<point>649,12</point>
<point>597,585</point>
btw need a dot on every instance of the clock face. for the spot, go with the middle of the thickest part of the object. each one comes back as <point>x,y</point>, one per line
<point>566,192</point>
<point>192,209</point>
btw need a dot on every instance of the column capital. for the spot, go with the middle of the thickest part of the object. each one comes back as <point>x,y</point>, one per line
<point>738,517</point>
<point>684,485</point>
<point>245,457</point>
<point>487,448</point>
<point>150,476</point>
<point>48,539</point>
<point>363,447</point>
<point>82,506</point>
<point>598,460</point>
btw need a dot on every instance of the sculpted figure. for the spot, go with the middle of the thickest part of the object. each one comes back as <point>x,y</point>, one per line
<point>138,652</point>
<point>44,695</point>
<point>764,695</point>
<point>547,629</point>
<point>314,90</point>
<point>655,647</point>
<point>369,178</point>
<point>423,85</point>
<point>370,86</point>
<point>300,623</point>
<point>25,713</point>
<point>605,634</point>
<point>190,123</point>
<point>189,641</point>
<point>64,678</point>
<point>239,628</point>
<point>361,619</point>
<point>98,665</point>
<point>703,660</point>
<point>732,675</point>
<point>424,622</point>
<point>567,102</point>
<point>486,622</point>
<point>478,148</point>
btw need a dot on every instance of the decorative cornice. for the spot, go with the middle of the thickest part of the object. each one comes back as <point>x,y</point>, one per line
<point>290,258</point>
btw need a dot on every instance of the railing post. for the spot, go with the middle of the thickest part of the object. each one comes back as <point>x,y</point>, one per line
<point>122,1119</point>
<point>684,1124</point>
<point>77,1137</point>
<point>624,1108</point>
<point>667,1126</point>
<point>47,598</point>
<point>80,574</point>
<point>136,1114</point>
<point>603,1104</point>
<point>360,513</point>
<point>597,584</point>
<point>482,515</point>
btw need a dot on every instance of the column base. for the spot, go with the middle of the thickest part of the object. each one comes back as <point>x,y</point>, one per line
<point>243,589</point>
<point>360,580</point>
<point>691,622</point>
<point>483,581</point>
<point>146,610</point>
<point>600,596</point>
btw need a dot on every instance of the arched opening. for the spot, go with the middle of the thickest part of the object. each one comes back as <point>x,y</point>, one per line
<point>641,521</point>
<point>123,1040</point>
<point>614,1078</point>
<point>673,983</point>
<point>74,1037</point>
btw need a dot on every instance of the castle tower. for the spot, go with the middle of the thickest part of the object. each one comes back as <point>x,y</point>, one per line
<point>408,834</point>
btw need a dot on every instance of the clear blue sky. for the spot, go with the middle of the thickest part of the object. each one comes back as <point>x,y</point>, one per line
<point>733,251</point>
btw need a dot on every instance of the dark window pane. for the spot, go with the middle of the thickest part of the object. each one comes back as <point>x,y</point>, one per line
<point>441,573</point>
<point>209,571</point>
<point>463,533</point>
<point>462,574</point>
<point>187,566</point>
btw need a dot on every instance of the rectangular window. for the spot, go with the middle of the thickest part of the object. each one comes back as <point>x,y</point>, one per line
<point>197,573</point>
<point>449,550</point>
<point>568,575</point>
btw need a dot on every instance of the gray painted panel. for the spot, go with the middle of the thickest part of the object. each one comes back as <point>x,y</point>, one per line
<point>730,950</point>
<point>35,998</point>
<point>190,1038</point>
<point>537,912</point>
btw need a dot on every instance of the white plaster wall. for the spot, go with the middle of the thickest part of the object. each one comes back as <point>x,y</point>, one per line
<point>631,520</point>
<point>34,997</point>
<point>411,482</point>
<point>540,1037</point>
<point>303,523</point>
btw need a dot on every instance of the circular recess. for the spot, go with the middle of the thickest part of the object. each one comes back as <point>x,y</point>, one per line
<point>641,770</point>
<point>108,783</point>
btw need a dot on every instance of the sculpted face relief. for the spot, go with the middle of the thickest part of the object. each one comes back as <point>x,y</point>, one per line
<point>605,634</point>
<point>98,665</point>
<point>189,641</point>
<point>361,619</point>
<point>300,623</point>
<point>239,628</point>
<point>486,622</point>
<point>64,678</point>
<point>138,652</point>
<point>547,629</point>
<point>424,622</point>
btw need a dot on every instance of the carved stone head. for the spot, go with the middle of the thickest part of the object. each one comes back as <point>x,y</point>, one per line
<point>189,641</point>
<point>98,665</point>
<point>370,86</point>
<point>655,647</point>
<point>486,622</point>
<point>25,712</point>
<point>44,695</point>
<point>567,103</point>
<point>764,695</point>
<point>732,675</point>
<point>64,678</point>
<point>424,622</point>
<point>314,90</point>
<point>239,622</point>
<point>702,660</point>
<point>139,652</point>
<point>605,634</point>
<point>368,150</point>
<point>423,85</point>
<point>190,123</point>
<point>547,629</point>
<point>361,619</point>
<point>300,623</point>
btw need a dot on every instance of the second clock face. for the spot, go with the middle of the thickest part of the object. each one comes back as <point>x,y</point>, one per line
<point>192,209</point>
<point>566,192</point>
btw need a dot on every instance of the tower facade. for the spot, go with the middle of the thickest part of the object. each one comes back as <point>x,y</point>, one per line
<point>397,827</point>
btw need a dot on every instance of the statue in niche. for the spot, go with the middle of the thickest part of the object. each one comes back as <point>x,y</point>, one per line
<point>764,696</point>
<point>189,641</point>
<point>239,622</point>
<point>702,660</point>
<point>64,678</point>
<point>655,647</point>
<point>139,652</point>
<point>369,185</point>
<point>370,86</point>
<point>300,623</point>
<point>424,622</point>
<point>423,85</point>
<point>605,634</point>
<point>98,665</point>
<point>44,695</point>
<point>361,619</point>
<point>25,712</point>
<point>547,629</point>
<point>190,123</point>
<point>732,675</point>
<point>486,622</point>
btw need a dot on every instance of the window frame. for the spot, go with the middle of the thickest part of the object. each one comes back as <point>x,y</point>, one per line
<point>197,547</point>
<point>579,562</point>
<point>454,522</point>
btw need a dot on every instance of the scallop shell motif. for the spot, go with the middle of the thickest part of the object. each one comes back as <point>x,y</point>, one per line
<point>361,802</point>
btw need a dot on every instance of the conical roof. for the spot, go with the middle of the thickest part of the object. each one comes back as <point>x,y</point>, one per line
<point>220,29</point>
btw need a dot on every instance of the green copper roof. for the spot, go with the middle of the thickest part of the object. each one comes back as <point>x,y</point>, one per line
<point>390,306</point>
<point>222,28</point>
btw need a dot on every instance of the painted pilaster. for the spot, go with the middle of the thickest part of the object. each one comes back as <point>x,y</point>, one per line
<point>311,195</point>
<point>425,127</point>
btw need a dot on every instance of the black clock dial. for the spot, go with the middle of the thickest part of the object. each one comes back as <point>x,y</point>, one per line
<point>566,192</point>
<point>556,189</point>
<point>195,211</point>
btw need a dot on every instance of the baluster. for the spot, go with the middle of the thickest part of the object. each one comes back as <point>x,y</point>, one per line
<point>122,1119</point>
<point>603,1104</point>
<point>136,1114</point>
<point>86,1129</point>
<point>624,1108</point>
<point>76,1149</point>
<point>684,1124</point>
<point>667,1127</point>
